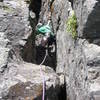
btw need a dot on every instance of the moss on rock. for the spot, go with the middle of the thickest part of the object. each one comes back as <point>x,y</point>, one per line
<point>72,25</point>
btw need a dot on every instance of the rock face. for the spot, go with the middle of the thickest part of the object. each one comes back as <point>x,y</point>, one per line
<point>14,25</point>
<point>88,14</point>
<point>24,81</point>
<point>77,75</point>
<point>78,59</point>
<point>70,56</point>
<point>20,80</point>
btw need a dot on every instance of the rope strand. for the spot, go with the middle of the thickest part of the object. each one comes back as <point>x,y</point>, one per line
<point>43,94</point>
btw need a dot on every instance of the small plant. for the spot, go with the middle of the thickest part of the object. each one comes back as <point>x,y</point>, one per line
<point>72,25</point>
<point>5,7</point>
<point>8,9</point>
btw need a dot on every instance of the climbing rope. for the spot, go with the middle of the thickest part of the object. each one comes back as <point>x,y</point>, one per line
<point>43,92</point>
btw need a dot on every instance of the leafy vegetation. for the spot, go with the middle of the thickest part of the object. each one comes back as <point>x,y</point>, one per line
<point>8,9</point>
<point>72,25</point>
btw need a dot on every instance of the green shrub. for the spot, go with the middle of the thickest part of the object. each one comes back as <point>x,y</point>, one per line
<point>72,25</point>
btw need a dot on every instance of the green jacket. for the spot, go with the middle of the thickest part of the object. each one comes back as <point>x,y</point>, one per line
<point>45,29</point>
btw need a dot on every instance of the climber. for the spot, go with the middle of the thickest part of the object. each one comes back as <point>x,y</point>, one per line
<point>46,31</point>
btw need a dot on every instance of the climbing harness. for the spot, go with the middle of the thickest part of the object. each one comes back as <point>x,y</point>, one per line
<point>43,93</point>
